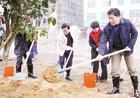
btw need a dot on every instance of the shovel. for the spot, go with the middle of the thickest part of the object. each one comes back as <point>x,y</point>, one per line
<point>22,75</point>
<point>67,59</point>
<point>93,60</point>
<point>58,66</point>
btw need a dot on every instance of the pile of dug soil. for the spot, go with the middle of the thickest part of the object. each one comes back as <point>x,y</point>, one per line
<point>51,74</point>
<point>39,88</point>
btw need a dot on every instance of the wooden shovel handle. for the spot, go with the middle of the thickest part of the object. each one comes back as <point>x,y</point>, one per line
<point>93,60</point>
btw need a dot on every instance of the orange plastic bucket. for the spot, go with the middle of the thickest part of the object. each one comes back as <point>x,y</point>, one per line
<point>90,80</point>
<point>8,71</point>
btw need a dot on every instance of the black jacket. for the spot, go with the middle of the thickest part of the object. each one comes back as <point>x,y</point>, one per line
<point>94,53</point>
<point>128,36</point>
<point>21,44</point>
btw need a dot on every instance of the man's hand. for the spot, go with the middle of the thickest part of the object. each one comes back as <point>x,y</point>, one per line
<point>128,49</point>
<point>99,57</point>
<point>68,48</point>
<point>97,49</point>
<point>71,48</point>
<point>28,53</point>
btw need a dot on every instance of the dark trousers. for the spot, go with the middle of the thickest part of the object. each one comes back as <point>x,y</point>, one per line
<point>19,63</point>
<point>34,49</point>
<point>63,59</point>
<point>96,65</point>
<point>103,67</point>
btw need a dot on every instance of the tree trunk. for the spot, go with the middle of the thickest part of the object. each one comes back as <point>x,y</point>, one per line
<point>6,51</point>
<point>11,31</point>
<point>6,54</point>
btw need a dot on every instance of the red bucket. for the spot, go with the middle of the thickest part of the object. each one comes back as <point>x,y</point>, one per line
<point>8,71</point>
<point>90,80</point>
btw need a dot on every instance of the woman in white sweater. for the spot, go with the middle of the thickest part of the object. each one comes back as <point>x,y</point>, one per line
<point>65,49</point>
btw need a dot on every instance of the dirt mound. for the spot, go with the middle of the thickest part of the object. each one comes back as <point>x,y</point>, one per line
<point>40,88</point>
<point>51,74</point>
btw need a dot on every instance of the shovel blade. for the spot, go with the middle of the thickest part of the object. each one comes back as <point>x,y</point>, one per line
<point>61,71</point>
<point>58,66</point>
<point>20,76</point>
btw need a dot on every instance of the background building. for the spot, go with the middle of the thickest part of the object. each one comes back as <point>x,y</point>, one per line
<point>97,9</point>
<point>70,11</point>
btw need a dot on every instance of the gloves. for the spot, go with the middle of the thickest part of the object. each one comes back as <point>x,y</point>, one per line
<point>97,49</point>
<point>28,53</point>
<point>99,57</point>
<point>68,48</point>
<point>128,49</point>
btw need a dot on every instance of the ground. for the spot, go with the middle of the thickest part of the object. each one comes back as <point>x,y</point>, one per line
<point>40,88</point>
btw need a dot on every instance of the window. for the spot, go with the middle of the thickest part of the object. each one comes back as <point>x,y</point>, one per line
<point>135,1</point>
<point>104,18</point>
<point>134,13</point>
<point>106,3</point>
<point>120,2</point>
<point>91,4</point>
<point>122,13</point>
<point>91,16</point>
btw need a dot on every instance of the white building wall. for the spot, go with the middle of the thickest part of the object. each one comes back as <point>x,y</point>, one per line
<point>70,11</point>
<point>99,12</point>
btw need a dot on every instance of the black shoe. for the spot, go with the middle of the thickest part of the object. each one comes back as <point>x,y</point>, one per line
<point>136,94</point>
<point>103,80</point>
<point>68,78</point>
<point>114,91</point>
<point>116,84</point>
<point>1,59</point>
<point>121,79</point>
<point>32,76</point>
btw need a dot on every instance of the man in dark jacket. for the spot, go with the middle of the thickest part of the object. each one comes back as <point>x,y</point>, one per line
<point>94,39</point>
<point>120,33</point>
<point>21,48</point>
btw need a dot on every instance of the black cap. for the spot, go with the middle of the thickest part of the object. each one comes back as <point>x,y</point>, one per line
<point>94,24</point>
<point>64,25</point>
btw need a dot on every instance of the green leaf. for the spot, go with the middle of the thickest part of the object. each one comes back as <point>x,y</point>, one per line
<point>53,1</point>
<point>45,3</point>
<point>49,20</point>
<point>53,21</point>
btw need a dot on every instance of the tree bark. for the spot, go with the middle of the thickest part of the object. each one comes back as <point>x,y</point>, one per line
<point>11,31</point>
<point>6,51</point>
